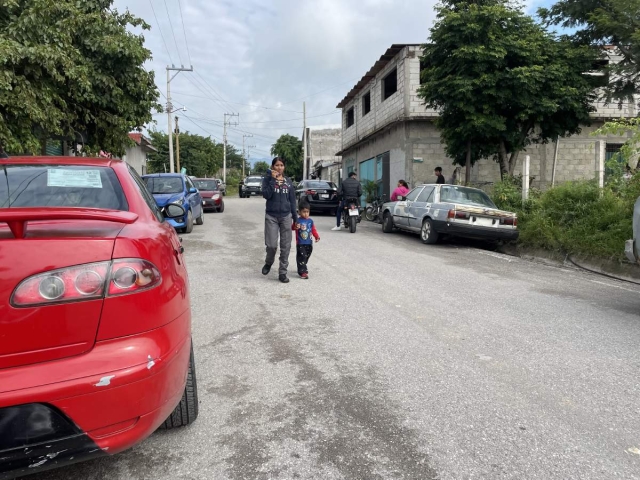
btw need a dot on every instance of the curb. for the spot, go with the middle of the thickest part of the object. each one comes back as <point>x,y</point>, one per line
<point>626,271</point>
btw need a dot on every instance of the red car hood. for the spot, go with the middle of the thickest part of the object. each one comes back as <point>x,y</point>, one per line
<point>205,194</point>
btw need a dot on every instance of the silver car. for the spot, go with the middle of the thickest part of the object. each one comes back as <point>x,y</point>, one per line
<point>435,210</point>
<point>632,247</point>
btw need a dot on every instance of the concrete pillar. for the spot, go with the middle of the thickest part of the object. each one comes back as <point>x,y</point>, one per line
<point>600,156</point>
<point>525,178</point>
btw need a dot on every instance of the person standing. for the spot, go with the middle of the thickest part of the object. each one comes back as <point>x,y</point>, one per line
<point>400,191</point>
<point>438,173</point>
<point>350,188</point>
<point>280,215</point>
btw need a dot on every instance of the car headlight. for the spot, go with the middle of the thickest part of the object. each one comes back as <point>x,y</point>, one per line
<point>180,201</point>
<point>216,197</point>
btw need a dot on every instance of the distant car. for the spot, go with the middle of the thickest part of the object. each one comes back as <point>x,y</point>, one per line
<point>176,188</point>
<point>95,316</point>
<point>436,210</point>
<point>211,196</point>
<point>221,186</point>
<point>251,186</point>
<point>321,195</point>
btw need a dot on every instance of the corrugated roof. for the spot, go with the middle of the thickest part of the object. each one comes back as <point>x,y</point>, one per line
<point>377,67</point>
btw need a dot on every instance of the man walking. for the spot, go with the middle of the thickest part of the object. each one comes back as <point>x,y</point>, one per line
<point>439,176</point>
<point>350,188</point>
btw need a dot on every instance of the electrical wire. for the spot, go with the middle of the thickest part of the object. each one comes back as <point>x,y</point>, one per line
<point>173,32</point>
<point>166,47</point>
<point>185,32</point>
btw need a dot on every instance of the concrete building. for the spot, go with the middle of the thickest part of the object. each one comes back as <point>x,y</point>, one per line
<point>136,156</point>
<point>388,134</point>
<point>322,143</point>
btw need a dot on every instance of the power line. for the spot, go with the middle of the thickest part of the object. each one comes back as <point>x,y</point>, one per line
<point>199,126</point>
<point>213,90</point>
<point>185,32</point>
<point>294,119</point>
<point>173,31</point>
<point>322,91</point>
<point>238,103</point>
<point>166,47</point>
<point>200,88</point>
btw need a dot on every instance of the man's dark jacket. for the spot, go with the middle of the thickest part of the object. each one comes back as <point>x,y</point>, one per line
<point>350,188</point>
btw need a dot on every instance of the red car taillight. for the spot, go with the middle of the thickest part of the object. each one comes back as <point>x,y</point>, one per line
<point>86,282</point>
<point>310,192</point>
<point>509,221</point>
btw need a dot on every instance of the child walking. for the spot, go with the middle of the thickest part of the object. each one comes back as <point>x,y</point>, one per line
<point>305,233</point>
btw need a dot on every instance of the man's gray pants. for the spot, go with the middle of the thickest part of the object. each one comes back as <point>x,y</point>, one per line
<point>275,228</point>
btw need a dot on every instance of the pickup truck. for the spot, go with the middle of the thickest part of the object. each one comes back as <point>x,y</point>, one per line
<point>632,248</point>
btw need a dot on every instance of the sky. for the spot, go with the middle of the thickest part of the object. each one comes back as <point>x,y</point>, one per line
<point>262,59</point>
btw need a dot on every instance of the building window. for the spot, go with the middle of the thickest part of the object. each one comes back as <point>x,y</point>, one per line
<point>611,150</point>
<point>351,118</point>
<point>366,103</point>
<point>390,84</point>
<point>423,65</point>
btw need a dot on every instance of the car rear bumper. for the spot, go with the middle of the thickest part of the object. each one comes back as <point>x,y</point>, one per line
<point>104,401</point>
<point>482,233</point>
<point>251,190</point>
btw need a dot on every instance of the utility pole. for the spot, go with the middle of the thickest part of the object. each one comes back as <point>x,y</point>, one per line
<point>249,147</point>
<point>177,145</point>
<point>224,139</point>
<point>305,170</point>
<point>244,155</point>
<point>170,111</point>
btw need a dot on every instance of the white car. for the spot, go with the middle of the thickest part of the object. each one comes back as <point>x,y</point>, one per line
<point>436,210</point>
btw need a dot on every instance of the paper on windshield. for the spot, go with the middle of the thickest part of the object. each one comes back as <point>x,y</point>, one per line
<point>73,178</point>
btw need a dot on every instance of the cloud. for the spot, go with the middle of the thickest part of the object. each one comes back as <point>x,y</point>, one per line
<point>263,58</point>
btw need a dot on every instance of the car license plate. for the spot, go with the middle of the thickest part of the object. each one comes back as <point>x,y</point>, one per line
<point>483,222</point>
<point>324,195</point>
<point>354,213</point>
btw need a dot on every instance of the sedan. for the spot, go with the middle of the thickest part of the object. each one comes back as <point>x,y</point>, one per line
<point>95,317</point>
<point>436,210</point>
<point>211,195</point>
<point>321,195</point>
<point>177,189</point>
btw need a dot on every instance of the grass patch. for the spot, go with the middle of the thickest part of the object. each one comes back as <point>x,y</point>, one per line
<point>576,217</point>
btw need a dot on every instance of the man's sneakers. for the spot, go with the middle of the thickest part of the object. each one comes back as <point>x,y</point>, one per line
<point>283,279</point>
<point>304,276</point>
<point>336,229</point>
<point>266,269</point>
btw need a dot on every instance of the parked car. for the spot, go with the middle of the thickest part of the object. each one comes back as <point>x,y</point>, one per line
<point>321,195</point>
<point>436,210</point>
<point>178,189</point>
<point>251,186</point>
<point>95,317</point>
<point>221,186</point>
<point>632,249</point>
<point>211,196</point>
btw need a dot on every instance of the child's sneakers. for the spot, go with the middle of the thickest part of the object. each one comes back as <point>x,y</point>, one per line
<point>304,276</point>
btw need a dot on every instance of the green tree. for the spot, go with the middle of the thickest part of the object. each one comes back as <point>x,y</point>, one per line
<point>201,156</point>
<point>72,69</point>
<point>290,148</point>
<point>605,22</point>
<point>501,82</point>
<point>260,168</point>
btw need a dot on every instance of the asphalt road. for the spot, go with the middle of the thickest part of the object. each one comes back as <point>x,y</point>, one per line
<point>396,360</point>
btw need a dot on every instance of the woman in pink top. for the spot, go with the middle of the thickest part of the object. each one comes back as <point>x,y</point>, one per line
<point>402,190</point>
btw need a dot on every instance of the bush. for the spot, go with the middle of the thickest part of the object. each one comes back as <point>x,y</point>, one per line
<point>575,217</point>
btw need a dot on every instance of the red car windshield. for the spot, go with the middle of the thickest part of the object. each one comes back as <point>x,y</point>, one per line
<point>60,186</point>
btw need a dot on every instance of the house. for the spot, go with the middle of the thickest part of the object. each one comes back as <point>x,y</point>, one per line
<point>322,143</point>
<point>136,155</point>
<point>389,134</point>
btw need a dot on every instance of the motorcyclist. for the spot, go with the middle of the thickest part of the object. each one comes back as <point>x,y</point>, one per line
<point>350,188</point>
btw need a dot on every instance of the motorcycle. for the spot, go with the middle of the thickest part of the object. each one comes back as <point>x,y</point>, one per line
<point>351,214</point>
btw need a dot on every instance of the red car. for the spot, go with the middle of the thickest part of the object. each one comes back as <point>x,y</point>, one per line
<point>211,195</point>
<point>95,317</point>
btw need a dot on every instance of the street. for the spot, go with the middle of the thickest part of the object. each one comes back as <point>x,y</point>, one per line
<point>396,360</point>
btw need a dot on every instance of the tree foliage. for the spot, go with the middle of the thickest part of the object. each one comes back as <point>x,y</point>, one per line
<point>72,69</point>
<point>201,156</point>
<point>501,82</point>
<point>290,148</point>
<point>260,168</point>
<point>605,22</point>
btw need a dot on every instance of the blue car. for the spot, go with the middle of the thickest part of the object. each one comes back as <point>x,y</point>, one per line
<point>168,188</point>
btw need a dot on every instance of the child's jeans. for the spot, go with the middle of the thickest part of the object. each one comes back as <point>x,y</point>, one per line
<point>302,257</point>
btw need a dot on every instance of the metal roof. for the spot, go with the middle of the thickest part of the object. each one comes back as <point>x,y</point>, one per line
<point>389,55</point>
